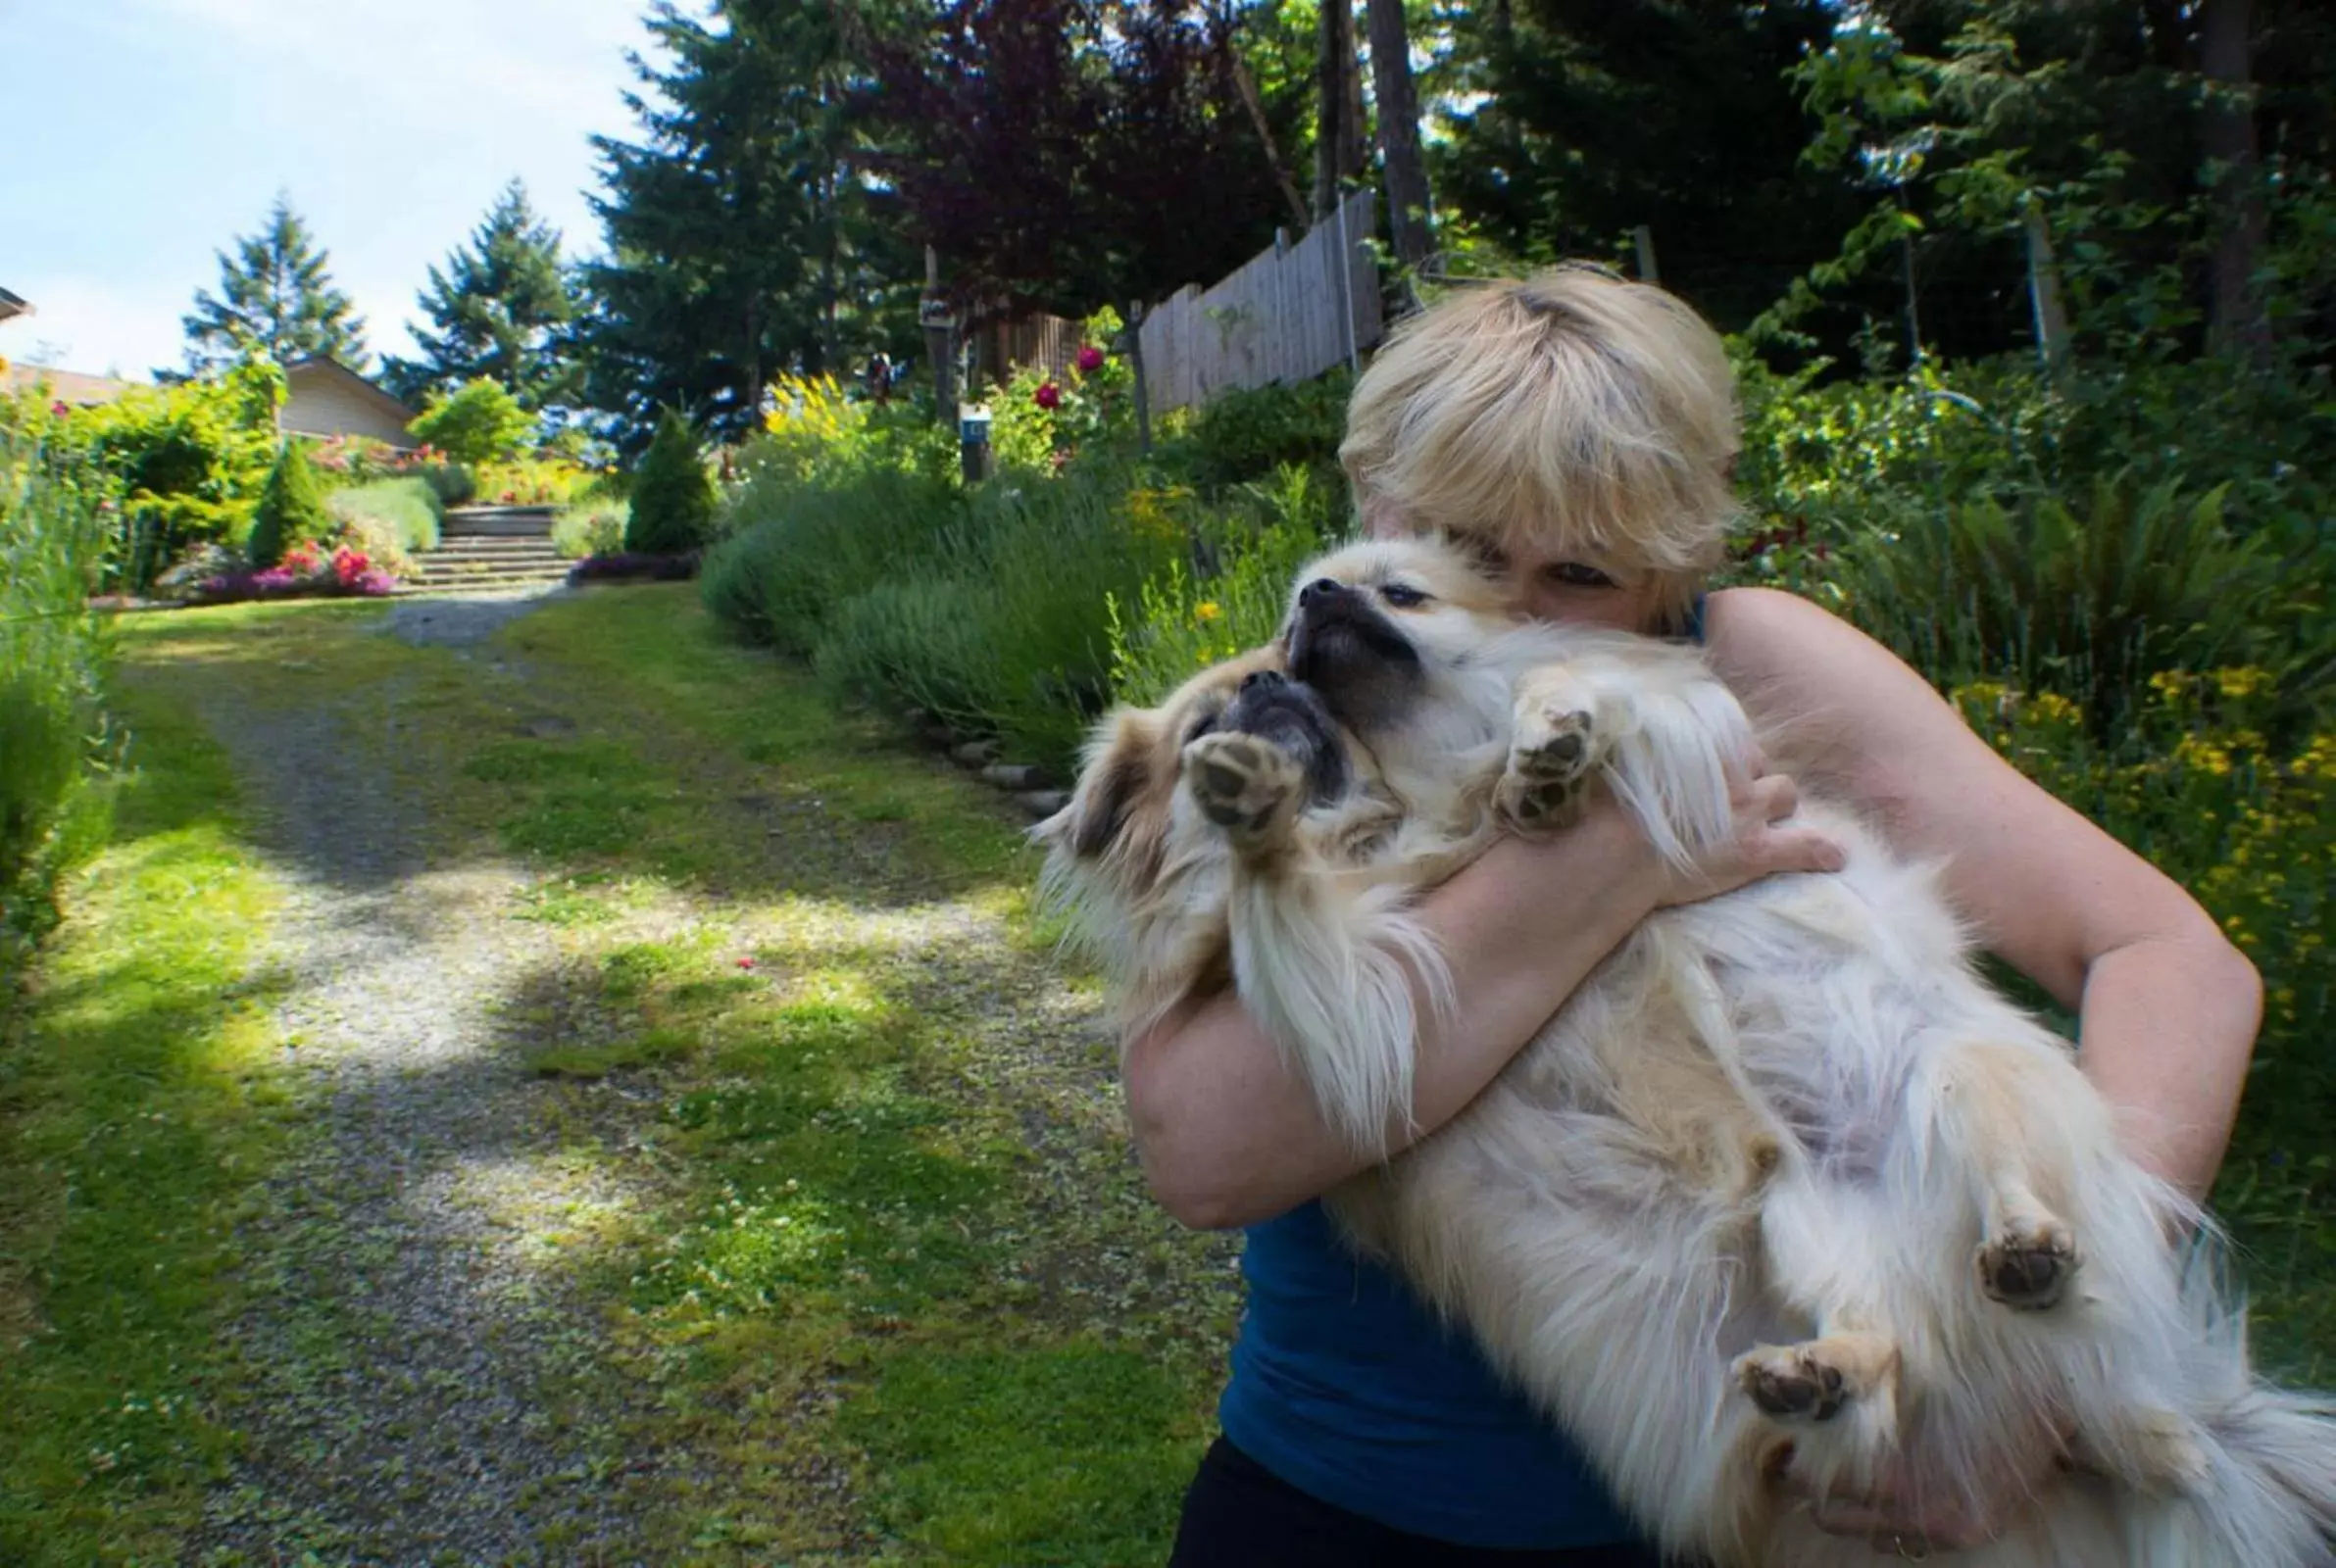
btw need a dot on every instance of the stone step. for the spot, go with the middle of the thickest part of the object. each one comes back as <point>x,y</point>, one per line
<point>493,548</point>
<point>491,522</point>
<point>440,567</point>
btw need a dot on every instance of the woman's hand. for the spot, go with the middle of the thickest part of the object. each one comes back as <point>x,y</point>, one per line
<point>1905,1518</point>
<point>1766,841</point>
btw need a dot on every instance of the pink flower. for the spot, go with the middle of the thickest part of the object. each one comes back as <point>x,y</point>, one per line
<point>58,408</point>
<point>375,582</point>
<point>746,962</point>
<point>1048,396</point>
<point>1090,358</point>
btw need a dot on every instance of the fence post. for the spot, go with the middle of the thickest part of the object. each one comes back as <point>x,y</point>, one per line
<point>933,315</point>
<point>2044,291</point>
<point>1643,238</point>
<point>1346,289</point>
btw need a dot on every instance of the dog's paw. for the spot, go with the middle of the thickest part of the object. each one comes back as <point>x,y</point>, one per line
<point>2028,1264</point>
<point>1247,786</point>
<point>1555,751</point>
<point>1789,1383</point>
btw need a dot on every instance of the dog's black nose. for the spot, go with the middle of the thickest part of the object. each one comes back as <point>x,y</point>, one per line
<point>1265,678</point>
<point>1320,588</point>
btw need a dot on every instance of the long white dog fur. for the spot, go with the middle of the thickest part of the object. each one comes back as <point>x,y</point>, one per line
<point>1783,1184</point>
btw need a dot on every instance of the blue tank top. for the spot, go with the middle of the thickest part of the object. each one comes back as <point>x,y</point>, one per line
<point>1348,1386</point>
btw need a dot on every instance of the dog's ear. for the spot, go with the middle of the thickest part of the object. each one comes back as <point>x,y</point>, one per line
<point>1118,772</point>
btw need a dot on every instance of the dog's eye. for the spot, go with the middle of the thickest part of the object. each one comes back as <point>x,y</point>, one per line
<point>1403,596</point>
<point>1573,574</point>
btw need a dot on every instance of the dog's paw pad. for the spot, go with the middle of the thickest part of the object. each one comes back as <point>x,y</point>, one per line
<point>2028,1267</point>
<point>1239,782</point>
<point>1555,747</point>
<point>1792,1384</point>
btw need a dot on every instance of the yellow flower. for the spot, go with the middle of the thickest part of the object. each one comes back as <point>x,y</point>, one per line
<point>2241,681</point>
<point>1206,609</point>
<point>2054,709</point>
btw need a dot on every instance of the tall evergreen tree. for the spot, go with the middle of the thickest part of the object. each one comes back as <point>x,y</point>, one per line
<point>498,310</point>
<point>736,233</point>
<point>275,294</point>
<point>1599,115</point>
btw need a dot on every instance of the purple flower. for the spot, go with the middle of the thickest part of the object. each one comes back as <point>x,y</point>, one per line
<point>1090,358</point>
<point>1048,396</point>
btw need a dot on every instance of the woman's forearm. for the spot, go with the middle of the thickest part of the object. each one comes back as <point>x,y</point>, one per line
<point>2167,1028</point>
<point>1229,1134</point>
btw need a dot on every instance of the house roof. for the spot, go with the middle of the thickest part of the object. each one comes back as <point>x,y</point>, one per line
<point>320,368</point>
<point>14,305</point>
<point>66,386</point>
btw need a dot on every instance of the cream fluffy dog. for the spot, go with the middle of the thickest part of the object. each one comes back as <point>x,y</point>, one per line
<point>1783,1182</point>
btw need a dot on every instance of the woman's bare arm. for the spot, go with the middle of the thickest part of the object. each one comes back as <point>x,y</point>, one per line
<point>1229,1136</point>
<point>2167,1009</point>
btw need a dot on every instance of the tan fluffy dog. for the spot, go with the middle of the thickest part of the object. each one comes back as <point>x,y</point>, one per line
<point>1783,1180</point>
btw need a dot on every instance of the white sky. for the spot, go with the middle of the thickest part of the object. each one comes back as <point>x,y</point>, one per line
<point>144,135</point>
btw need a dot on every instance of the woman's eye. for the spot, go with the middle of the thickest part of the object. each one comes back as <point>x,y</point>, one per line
<point>1573,574</point>
<point>1400,597</point>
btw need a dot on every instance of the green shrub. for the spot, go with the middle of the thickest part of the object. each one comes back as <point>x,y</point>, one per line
<point>451,482</point>
<point>291,509</point>
<point>923,643</point>
<point>1247,435</point>
<point>1184,621</point>
<point>1055,556</point>
<point>795,553</point>
<point>673,496</point>
<point>407,510</point>
<point>188,460</point>
<point>54,735</point>
<point>479,421</point>
<point>591,529</point>
<point>2088,601</point>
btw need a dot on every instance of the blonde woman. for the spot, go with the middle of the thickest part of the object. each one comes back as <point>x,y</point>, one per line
<point>1581,429</point>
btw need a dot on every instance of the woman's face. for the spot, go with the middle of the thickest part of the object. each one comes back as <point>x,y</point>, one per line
<point>1552,585</point>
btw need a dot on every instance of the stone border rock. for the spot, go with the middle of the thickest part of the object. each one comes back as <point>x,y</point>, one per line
<point>1032,787</point>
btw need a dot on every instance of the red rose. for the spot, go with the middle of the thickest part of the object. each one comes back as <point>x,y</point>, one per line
<point>1048,396</point>
<point>1090,358</point>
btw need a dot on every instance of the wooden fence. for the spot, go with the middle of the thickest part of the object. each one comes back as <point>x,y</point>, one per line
<point>999,347</point>
<point>1290,314</point>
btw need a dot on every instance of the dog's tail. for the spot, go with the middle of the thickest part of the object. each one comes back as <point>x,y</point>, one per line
<point>2270,1493</point>
<point>2262,1487</point>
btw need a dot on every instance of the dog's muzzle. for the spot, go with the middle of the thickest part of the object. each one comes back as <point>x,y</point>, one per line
<point>1293,716</point>
<point>1361,663</point>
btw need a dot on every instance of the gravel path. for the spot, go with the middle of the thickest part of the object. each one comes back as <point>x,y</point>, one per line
<point>424,1397</point>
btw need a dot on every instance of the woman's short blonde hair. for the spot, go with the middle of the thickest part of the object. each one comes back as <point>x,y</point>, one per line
<point>1569,410</point>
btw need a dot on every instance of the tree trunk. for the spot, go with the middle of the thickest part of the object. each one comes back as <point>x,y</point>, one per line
<point>1398,130</point>
<point>2235,319</point>
<point>1338,138</point>
<point>1246,86</point>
